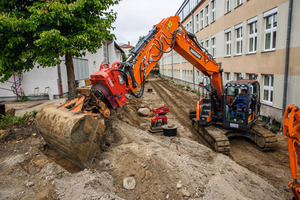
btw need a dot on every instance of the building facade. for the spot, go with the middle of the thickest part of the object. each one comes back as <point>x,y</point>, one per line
<point>52,82</point>
<point>126,48</point>
<point>248,37</point>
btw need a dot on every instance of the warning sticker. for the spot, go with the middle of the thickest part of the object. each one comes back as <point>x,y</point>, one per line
<point>170,24</point>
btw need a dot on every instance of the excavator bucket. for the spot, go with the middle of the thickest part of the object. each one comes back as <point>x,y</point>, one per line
<point>74,135</point>
<point>75,128</point>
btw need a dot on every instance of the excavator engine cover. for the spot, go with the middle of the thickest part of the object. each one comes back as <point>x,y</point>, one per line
<point>76,136</point>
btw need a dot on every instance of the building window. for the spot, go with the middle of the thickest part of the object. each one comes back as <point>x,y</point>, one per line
<point>202,43</point>
<point>207,44</point>
<point>191,27</point>
<point>239,39</point>
<point>228,6</point>
<point>207,14</point>
<point>213,46</point>
<point>251,76</point>
<point>270,29</point>
<point>197,23</point>
<point>268,89</point>
<point>213,10</point>
<point>238,76</point>
<point>227,77</point>
<point>201,19</point>
<point>228,42</point>
<point>238,2</point>
<point>252,35</point>
<point>105,53</point>
<point>187,27</point>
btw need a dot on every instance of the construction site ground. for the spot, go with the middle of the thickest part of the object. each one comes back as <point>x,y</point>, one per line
<point>181,167</point>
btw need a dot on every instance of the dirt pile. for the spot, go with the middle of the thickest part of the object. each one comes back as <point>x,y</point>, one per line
<point>161,167</point>
<point>173,167</point>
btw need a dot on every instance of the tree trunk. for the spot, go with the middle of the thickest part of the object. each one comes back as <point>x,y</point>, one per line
<point>71,77</point>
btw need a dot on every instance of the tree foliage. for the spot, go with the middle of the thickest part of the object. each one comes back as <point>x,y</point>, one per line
<point>41,31</point>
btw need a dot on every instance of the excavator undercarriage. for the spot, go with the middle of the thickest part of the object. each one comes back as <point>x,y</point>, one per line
<point>218,137</point>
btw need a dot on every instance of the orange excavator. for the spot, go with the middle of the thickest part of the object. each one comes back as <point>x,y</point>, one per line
<point>75,129</point>
<point>291,129</point>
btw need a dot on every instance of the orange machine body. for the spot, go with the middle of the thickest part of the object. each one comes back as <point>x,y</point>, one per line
<point>291,128</point>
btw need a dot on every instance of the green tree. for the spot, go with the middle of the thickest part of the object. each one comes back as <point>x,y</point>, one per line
<point>44,31</point>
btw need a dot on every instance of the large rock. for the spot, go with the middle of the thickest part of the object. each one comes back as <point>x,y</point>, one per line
<point>144,111</point>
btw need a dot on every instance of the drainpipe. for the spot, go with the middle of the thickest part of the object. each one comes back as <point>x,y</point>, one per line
<point>287,55</point>
<point>172,65</point>
<point>59,81</point>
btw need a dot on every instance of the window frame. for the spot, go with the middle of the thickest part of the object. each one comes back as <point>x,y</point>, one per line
<point>197,21</point>
<point>227,42</point>
<point>105,52</point>
<point>201,19</point>
<point>251,22</point>
<point>207,44</point>
<point>269,88</point>
<point>239,39</point>
<point>238,2</point>
<point>207,15</point>
<point>227,7</point>
<point>213,46</point>
<point>213,10</point>
<point>271,13</point>
<point>227,77</point>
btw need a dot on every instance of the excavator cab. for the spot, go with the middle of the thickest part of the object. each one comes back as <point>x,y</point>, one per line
<point>241,104</point>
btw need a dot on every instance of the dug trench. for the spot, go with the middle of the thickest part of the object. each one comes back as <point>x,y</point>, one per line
<point>181,167</point>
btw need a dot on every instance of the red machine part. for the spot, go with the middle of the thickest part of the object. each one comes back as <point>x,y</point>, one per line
<point>111,79</point>
<point>160,115</point>
<point>160,110</point>
<point>291,128</point>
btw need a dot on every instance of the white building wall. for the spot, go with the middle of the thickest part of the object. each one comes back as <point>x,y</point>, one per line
<point>48,77</point>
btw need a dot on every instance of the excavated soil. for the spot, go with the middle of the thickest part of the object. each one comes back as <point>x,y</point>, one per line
<point>181,167</point>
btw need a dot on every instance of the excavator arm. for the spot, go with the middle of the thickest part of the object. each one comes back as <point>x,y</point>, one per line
<point>118,84</point>
<point>291,128</point>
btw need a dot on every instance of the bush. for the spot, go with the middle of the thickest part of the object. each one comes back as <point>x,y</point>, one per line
<point>9,121</point>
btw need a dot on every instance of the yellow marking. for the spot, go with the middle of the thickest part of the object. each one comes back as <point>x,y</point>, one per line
<point>170,24</point>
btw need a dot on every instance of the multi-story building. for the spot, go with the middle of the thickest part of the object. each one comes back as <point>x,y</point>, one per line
<point>248,37</point>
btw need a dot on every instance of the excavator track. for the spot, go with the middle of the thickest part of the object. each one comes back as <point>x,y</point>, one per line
<point>214,135</point>
<point>264,139</point>
<point>218,136</point>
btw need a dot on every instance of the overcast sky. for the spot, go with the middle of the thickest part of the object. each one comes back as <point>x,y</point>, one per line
<point>136,17</point>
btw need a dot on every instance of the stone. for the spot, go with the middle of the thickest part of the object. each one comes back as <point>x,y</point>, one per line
<point>185,193</point>
<point>29,183</point>
<point>179,185</point>
<point>129,183</point>
<point>144,111</point>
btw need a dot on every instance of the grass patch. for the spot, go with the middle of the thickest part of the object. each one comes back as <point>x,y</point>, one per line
<point>25,98</point>
<point>9,121</point>
<point>181,86</point>
<point>196,92</point>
